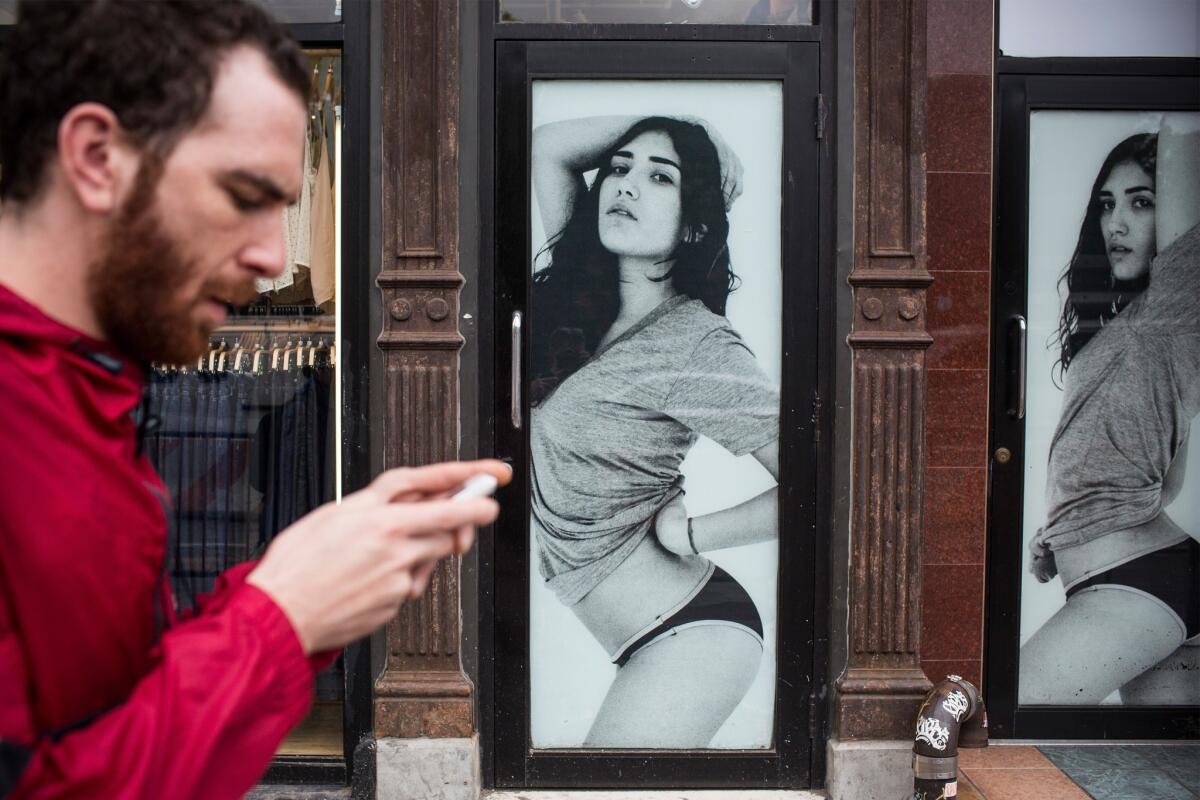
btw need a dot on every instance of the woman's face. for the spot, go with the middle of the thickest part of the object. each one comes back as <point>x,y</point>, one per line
<point>641,211</point>
<point>1127,220</point>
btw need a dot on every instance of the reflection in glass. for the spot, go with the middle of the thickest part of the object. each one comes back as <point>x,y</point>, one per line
<point>659,12</point>
<point>1110,595</point>
<point>655,414</point>
<point>290,11</point>
<point>246,440</point>
<point>305,11</point>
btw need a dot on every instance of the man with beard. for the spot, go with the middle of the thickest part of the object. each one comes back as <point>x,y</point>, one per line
<point>148,149</point>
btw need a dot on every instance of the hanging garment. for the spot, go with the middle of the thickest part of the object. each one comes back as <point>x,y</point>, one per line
<point>323,222</point>
<point>297,229</point>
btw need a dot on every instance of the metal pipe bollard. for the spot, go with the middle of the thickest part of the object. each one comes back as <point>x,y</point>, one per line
<point>952,715</point>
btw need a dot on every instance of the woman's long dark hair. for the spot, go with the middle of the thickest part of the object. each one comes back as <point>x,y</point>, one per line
<point>576,296</point>
<point>1094,294</point>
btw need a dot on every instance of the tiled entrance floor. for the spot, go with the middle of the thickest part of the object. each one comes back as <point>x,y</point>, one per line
<point>1079,772</point>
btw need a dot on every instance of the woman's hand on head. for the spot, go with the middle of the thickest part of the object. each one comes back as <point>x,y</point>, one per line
<point>671,527</point>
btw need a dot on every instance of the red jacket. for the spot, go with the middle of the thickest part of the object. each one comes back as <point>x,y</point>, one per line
<point>188,710</point>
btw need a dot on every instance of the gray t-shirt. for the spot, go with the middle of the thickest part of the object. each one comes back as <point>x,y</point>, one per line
<point>608,442</point>
<point>1130,396</point>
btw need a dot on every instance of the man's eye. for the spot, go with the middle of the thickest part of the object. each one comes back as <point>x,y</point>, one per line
<point>243,203</point>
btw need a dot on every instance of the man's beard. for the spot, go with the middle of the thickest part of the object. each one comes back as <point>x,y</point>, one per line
<point>135,283</point>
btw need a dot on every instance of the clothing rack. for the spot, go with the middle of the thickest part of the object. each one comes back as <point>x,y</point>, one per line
<point>256,351</point>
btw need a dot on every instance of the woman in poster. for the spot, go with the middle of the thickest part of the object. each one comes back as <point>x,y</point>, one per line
<point>1130,364</point>
<point>633,359</point>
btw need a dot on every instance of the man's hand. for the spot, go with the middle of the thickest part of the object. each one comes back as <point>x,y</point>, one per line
<point>342,571</point>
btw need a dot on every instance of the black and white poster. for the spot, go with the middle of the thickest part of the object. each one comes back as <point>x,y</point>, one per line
<point>655,358</point>
<point>1110,597</point>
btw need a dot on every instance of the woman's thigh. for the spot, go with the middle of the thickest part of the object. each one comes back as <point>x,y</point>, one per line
<point>1099,641</point>
<point>1171,682</point>
<point>677,691</point>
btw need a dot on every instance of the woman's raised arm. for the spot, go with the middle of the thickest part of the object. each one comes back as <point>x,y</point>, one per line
<point>562,152</point>
<point>1177,185</point>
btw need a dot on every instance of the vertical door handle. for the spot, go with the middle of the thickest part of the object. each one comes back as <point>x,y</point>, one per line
<point>1016,368</point>
<point>516,370</point>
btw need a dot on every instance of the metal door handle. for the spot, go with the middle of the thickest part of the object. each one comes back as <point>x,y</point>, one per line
<point>1016,367</point>
<point>516,370</point>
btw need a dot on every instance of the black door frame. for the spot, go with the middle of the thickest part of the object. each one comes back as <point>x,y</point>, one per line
<point>1024,86</point>
<point>797,757</point>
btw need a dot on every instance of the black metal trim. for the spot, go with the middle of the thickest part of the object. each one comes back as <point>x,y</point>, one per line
<point>1164,67</point>
<point>357,340</point>
<point>306,770</point>
<point>327,34</point>
<point>808,375</point>
<point>1017,96</point>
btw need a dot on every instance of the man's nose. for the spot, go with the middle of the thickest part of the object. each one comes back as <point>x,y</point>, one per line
<point>267,253</point>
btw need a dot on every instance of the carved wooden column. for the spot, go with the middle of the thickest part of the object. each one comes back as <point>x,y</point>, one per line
<point>882,687</point>
<point>423,690</point>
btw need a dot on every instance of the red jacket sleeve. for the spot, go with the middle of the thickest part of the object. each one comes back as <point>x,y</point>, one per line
<point>204,722</point>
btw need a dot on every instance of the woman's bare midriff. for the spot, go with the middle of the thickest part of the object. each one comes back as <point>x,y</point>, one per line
<point>1103,553</point>
<point>649,582</point>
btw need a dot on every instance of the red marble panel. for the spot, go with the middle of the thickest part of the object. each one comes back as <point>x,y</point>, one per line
<point>959,37</point>
<point>958,221</point>
<point>959,123</point>
<point>969,668</point>
<point>957,307</point>
<point>952,612</point>
<point>955,516</point>
<point>956,418</point>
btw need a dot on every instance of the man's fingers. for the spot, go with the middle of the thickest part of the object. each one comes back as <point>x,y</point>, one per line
<point>436,516</point>
<point>395,484</point>
<point>421,578</point>
<point>416,552</point>
<point>464,537</point>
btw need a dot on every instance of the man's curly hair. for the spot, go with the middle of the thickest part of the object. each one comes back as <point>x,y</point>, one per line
<point>153,62</point>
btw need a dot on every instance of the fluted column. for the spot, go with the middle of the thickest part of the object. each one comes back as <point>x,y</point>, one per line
<point>423,691</point>
<point>881,689</point>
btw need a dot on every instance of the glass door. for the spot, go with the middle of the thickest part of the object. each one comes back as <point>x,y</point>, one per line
<point>652,269</point>
<point>1095,519</point>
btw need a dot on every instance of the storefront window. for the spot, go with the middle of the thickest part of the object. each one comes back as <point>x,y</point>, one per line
<point>246,441</point>
<point>659,12</point>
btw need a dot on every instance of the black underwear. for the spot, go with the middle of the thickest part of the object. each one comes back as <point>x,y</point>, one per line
<point>1171,574</point>
<point>720,599</point>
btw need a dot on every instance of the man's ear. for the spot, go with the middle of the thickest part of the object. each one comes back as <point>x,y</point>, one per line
<point>94,156</point>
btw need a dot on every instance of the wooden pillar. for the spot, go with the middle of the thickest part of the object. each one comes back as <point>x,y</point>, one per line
<point>423,691</point>
<point>881,689</point>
